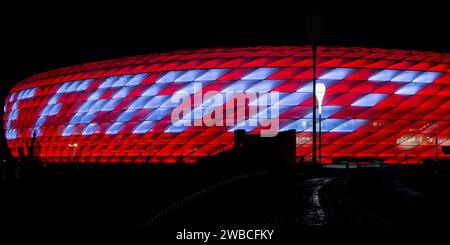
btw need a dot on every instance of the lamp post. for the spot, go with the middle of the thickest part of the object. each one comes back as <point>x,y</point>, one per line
<point>320,93</point>
<point>437,149</point>
<point>74,147</point>
<point>314,29</point>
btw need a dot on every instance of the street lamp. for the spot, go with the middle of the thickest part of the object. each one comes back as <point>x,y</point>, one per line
<point>74,147</point>
<point>437,149</point>
<point>314,28</point>
<point>320,93</point>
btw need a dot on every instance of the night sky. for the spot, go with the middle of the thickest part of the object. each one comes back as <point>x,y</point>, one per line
<point>35,37</point>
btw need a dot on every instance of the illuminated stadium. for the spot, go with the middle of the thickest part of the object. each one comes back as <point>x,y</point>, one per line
<point>388,104</point>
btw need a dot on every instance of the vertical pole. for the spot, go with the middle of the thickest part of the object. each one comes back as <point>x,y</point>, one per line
<point>437,149</point>
<point>320,139</point>
<point>314,49</point>
<point>73,164</point>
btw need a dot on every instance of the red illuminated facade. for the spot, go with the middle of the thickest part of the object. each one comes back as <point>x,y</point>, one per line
<point>388,104</point>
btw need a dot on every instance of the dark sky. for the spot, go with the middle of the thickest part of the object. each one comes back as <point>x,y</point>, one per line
<point>36,37</point>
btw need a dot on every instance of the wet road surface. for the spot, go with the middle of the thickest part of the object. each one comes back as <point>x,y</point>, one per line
<point>307,201</point>
<point>302,205</point>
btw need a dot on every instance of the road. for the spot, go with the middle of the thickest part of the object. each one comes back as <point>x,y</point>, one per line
<point>306,201</point>
<point>372,197</point>
<point>302,205</point>
<point>322,201</point>
<point>375,198</point>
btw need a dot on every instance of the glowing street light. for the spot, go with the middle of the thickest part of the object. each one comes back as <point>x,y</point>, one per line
<point>320,93</point>
<point>74,147</point>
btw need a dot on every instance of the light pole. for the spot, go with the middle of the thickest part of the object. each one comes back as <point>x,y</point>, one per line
<point>437,149</point>
<point>320,93</point>
<point>314,29</point>
<point>74,147</point>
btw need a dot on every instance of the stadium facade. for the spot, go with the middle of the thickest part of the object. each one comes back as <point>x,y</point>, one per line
<point>389,104</point>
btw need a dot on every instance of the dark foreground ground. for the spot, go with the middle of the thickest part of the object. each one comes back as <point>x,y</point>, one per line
<point>162,201</point>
